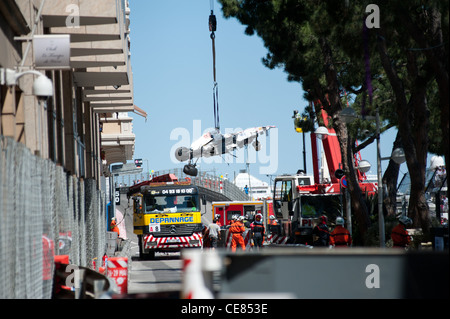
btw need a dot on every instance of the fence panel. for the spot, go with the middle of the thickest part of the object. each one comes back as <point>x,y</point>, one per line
<point>44,212</point>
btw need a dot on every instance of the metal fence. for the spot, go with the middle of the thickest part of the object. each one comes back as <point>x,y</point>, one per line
<point>44,212</point>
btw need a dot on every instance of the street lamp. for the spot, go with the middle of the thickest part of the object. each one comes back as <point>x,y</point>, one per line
<point>364,166</point>
<point>296,118</point>
<point>398,155</point>
<point>348,115</point>
<point>321,132</point>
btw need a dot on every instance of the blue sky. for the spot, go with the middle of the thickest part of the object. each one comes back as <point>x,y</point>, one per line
<point>171,59</point>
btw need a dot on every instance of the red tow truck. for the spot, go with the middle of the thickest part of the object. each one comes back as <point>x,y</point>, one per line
<point>299,200</point>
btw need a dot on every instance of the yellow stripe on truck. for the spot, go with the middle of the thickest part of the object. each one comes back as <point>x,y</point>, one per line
<point>174,218</point>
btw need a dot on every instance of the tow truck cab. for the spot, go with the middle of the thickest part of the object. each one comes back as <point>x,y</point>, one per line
<point>167,217</point>
<point>298,204</point>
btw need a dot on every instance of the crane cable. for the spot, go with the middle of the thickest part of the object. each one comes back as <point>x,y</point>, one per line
<point>212,29</point>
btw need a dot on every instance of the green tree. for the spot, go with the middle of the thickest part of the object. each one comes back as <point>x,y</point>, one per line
<point>298,36</point>
<point>414,56</point>
<point>321,44</point>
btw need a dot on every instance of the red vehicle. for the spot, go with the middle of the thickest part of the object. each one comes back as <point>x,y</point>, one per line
<point>225,210</point>
<point>299,200</point>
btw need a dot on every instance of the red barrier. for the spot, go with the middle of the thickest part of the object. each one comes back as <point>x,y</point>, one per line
<point>60,290</point>
<point>117,269</point>
<point>62,259</point>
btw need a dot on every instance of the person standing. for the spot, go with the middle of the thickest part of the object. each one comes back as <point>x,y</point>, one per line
<point>236,229</point>
<point>274,226</point>
<point>340,236</point>
<point>321,235</point>
<point>214,233</point>
<point>399,234</point>
<point>258,231</point>
<point>217,218</point>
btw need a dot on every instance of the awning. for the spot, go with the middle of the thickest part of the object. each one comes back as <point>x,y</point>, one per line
<point>112,107</point>
<point>140,112</point>
<point>90,79</point>
<point>108,100</point>
<point>52,21</point>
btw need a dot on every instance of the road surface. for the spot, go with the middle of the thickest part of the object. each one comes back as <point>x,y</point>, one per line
<point>160,275</point>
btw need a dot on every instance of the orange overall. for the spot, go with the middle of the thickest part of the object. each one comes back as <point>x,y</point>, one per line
<point>236,229</point>
<point>340,237</point>
<point>114,228</point>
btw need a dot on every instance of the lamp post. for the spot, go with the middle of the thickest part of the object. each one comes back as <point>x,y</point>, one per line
<point>296,117</point>
<point>381,226</point>
<point>348,115</point>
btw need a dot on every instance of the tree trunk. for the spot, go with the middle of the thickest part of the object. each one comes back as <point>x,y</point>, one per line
<point>437,57</point>
<point>413,124</point>
<point>418,208</point>
<point>359,207</point>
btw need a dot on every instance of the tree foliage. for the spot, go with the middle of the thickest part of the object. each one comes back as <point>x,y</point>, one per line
<point>400,68</point>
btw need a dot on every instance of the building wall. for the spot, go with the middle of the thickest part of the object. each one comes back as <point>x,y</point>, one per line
<point>79,127</point>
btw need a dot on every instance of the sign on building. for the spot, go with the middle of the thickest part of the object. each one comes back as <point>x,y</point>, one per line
<point>51,51</point>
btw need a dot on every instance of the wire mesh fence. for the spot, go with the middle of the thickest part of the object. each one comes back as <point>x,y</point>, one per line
<point>44,212</point>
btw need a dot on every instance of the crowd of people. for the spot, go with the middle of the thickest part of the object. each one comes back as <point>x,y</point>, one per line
<point>238,225</point>
<point>338,237</point>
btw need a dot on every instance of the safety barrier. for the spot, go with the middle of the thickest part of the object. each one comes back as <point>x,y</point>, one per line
<point>118,271</point>
<point>277,239</point>
<point>76,282</point>
<point>44,212</point>
<point>197,280</point>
